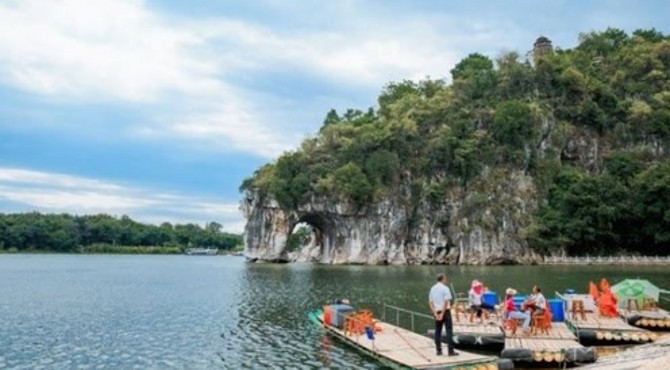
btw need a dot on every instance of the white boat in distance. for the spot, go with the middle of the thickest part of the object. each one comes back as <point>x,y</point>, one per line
<point>202,251</point>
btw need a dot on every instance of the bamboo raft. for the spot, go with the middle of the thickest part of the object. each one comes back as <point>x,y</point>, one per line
<point>658,319</point>
<point>607,330</point>
<point>559,345</point>
<point>486,335</point>
<point>400,348</point>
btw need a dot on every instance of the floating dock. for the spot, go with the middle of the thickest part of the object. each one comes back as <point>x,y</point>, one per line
<point>656,320</point>
<point>593,328</point>
<point>400,348</point>
<point>602,330</point>
<point>482,336</point>
<point>488,335</point>
<point>560,345</point>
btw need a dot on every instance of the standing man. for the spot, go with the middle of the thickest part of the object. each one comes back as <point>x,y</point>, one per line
<point>440,305</point>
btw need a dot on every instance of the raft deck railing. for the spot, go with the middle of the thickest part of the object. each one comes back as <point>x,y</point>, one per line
<point>599,260</point>
<point>398,310</point>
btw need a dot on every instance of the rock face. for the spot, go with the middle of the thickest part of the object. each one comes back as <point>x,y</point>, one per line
<point>472,229</point>
<point>482,223</point>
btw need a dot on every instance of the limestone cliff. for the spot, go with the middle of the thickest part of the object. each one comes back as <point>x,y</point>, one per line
<point>471,230</point>
<point>482,223</point>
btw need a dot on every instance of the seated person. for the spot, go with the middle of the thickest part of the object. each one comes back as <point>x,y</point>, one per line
<point>475,298</point>
<point>512,313</point>
<point>607,304</point>
<point>536,303</point>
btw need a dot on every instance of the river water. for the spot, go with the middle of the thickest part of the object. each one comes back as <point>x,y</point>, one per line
<point>198,312</point>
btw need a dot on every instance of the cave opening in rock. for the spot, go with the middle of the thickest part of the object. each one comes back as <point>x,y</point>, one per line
<point>306,240</point>
<point>301,236</point>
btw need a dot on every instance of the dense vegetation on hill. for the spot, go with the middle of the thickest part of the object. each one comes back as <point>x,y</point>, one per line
<point>512,114</point>
<point>104,233</point>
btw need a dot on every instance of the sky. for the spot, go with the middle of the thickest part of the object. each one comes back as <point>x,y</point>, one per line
<point>158,109</point>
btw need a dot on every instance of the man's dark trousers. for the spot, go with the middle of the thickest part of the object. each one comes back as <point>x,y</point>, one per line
<point>446,322</point>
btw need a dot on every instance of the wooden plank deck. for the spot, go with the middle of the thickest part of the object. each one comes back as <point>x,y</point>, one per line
<point>410,349</point>
<point>491,328</point>
<point>558,345</point>
<point>536,344</point>
<point>597,322</point>
<point>659,314</point>
<point>558,331</point>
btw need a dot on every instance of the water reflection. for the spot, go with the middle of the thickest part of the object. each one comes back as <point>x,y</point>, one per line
<point>323,352</point>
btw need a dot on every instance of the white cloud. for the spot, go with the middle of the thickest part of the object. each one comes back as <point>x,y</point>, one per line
<point>123,51</point>
<point>54,192</point>
<point>20,177</point>
<point>369,55</point>
<point>108,51</point>
<point>97,50</point>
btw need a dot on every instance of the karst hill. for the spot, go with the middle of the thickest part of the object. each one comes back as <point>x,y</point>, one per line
<point>554,151</point>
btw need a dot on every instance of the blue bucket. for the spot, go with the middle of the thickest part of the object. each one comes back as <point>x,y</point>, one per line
<point>556,307</point>
<point>490,298</point>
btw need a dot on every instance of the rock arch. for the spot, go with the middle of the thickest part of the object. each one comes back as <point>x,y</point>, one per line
<point>386,233</point>
<point>322,241</point>
<point>346,237</point>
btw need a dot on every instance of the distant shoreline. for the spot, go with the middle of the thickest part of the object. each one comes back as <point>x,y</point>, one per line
<point>139,250</point>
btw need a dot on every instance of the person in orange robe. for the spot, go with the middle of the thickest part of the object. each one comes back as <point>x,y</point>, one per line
<point>607,304</point>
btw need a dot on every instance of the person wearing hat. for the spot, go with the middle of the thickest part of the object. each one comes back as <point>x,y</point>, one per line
<point>475,299</point>
<point>439,300</point>
<point>512,313</point>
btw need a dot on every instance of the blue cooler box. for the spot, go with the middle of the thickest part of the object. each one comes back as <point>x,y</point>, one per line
<point>338,313</point>
<point>556,307</point>
<point>490,298</point>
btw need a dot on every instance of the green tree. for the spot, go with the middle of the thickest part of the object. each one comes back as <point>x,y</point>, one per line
<point>381,166</point>
<point>352,183</point>
<point>332,118</point>
<point>473,66</point>
<point>299,238</point>
<point>652,189</point>
<point>513,124</point>
<point>623,166</point>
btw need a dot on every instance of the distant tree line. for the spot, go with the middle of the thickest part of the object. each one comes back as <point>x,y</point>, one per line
<point>105,233</point>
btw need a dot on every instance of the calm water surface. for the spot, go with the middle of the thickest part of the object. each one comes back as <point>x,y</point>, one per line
<point>90,312</point>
